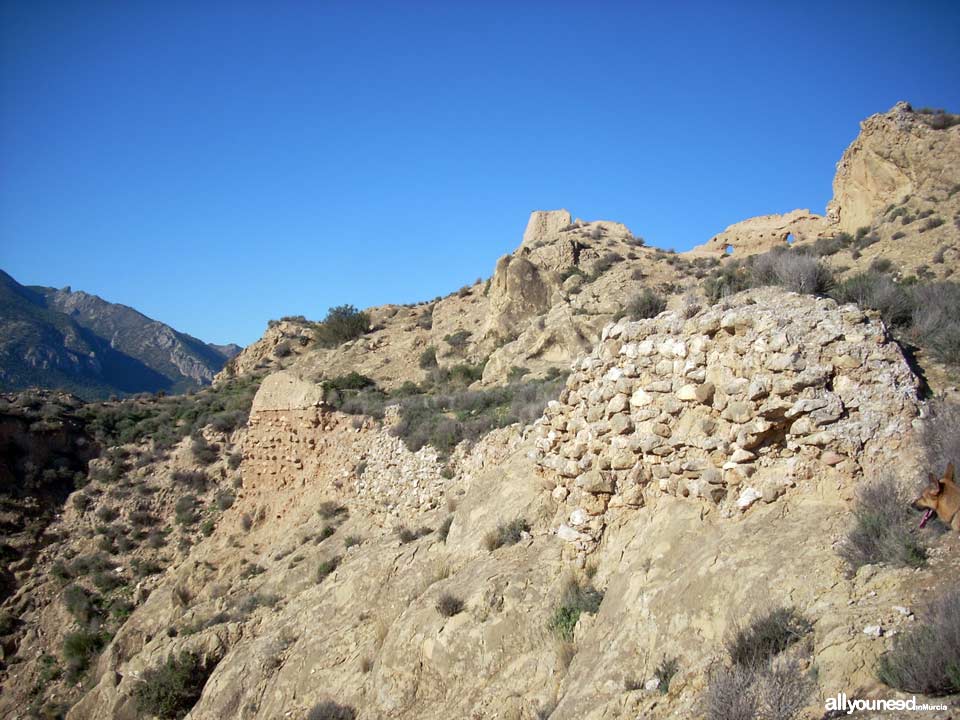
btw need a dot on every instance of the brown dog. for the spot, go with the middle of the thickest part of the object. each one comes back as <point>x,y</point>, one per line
<point>943,498</point>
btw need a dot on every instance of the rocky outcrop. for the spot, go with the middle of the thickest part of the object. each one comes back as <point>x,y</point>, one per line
<point>733,405</point>
<point>898,154</point>
<point>518,292</point>
<point>544,225</point>
<point>282,342</point>
<point>760,234</point>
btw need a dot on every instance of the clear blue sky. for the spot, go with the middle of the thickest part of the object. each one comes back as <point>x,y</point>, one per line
<point>215,164</point>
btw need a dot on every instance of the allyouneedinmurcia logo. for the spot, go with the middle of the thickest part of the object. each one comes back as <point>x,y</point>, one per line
<point>848,705</point>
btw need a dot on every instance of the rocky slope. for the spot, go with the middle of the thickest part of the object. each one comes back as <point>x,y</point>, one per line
<point>897,188</point>
<point>74,340</point>
<point>698,468</point>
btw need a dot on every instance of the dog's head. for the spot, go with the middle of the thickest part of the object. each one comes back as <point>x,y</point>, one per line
<point>930,498</point>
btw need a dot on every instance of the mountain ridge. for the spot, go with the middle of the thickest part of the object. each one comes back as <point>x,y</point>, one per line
<point>80,342</point>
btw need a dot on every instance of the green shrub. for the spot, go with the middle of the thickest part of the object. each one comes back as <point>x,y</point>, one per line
<point>196,480</point>
<point>80,603</point>
<point>327,567</point>
<point>224,499</point>
<point>884,528</point>
<point>428,358</point>
<point>78,649</point>
<point>508,533</point>
<point>203,452</point>
<point>457,340</point>
<point>185,510</point>
<point>667,668</point>
<point>351,381</point>
<point>645,305</point>
<point>82,502</point>
<point>173,688</point>
<point>925,657</point>
<point>604,263</point>
<point>935,320</point>
<point>794,271</point>
<point>576,599</point>
<point>877,292</point>
<point>352,540</point>
<point>107,514</point>
<point>342,324</point>
<point>107,581</point>
<point>727,280</point>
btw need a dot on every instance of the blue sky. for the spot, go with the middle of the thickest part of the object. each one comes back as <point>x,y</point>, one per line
<point>217,164</point>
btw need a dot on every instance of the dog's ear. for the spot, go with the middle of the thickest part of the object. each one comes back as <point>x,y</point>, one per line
<point>948,475</point>
<point>935,485</point>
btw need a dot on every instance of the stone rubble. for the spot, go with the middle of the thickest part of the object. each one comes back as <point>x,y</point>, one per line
<point>732,406</point>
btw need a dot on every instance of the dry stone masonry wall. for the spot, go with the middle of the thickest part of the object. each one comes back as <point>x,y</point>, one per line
<point>296,446</point>
<point>731,406</point>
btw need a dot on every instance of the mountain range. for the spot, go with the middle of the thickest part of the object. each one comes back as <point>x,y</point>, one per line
<point>80,342</point>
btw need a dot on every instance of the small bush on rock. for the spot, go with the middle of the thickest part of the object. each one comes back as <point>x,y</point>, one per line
<point>173,688</point>
<point>940,436</point>
<point>766,636</point>
<point>645,305</point>
<point>342,324</point>
<point>507,533</point>
<point>449,605</point>
<point>577,598</point>
<point>884,528</point>
<point>330,710</point>
<point>926,656</point>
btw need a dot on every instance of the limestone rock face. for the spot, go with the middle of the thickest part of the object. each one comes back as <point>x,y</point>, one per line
<point>285,391</point>
<point>518,292</point>
<point>544,225</point>
<point>760,234</point>
<point>897,154</point>
<point>738,401</point>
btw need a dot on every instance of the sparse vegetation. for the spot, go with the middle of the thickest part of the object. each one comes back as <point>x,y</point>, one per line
<point>757,682</point>
<point>577,598</point>
<point>444,528</point>
<point>667,668</point>
<point>645,305</point>
<point>458,340</point>
<point>342,324</point>
<point>428,358</point>
<point>940,436</point>
<point>78,649</point>
<point>327,567</point>
<point>330,710</point>
<point>171,689</point>
<point>925,657</point>
<point>167,420</point>
<point>196,480</point>
<point>508,533</point>
<point>449,605</point>
<point>329,510</point>
<point>766,636</point>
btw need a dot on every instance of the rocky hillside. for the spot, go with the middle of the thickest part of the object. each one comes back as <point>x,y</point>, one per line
<point>610,481</point>
<point>77,341</point>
